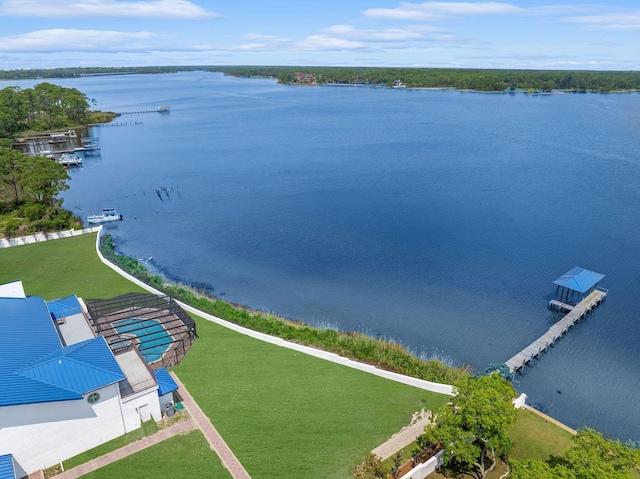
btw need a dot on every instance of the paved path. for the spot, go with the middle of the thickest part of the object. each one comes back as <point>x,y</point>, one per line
<point>229,460</point>
<point>402,439</point>
<point>129,449</point>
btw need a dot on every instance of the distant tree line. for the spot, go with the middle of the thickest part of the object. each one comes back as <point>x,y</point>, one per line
<point>27,74</point>
<point>461,79</point>
<point>44,107</point>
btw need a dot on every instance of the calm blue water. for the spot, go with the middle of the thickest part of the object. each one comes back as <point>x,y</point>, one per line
<point>436,218</point>
<point>153,338</point>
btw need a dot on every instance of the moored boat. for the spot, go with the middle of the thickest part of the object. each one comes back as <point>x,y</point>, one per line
<point>108,214</point>
<point>69,160</point>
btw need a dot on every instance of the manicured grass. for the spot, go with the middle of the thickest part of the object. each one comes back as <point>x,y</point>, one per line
<point>289,415</point>
<point>283,413</point>
<point>55,269</point>
<point>535,438</point>
<point>147,428</point>
<point>185,456</point>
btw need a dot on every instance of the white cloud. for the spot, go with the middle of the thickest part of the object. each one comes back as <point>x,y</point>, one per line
<point>328,43</point>
<point>609,21</point>
<point>388,35</point>
<point>60,40</point>
<point>311,43</point>
<point>336,38</point>
<point>178,9</point>
<point>430,11</point>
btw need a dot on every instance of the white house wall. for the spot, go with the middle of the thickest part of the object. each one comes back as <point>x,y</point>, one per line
<point>165,399</point>
<point>132,405</point>
<point>39,435</point>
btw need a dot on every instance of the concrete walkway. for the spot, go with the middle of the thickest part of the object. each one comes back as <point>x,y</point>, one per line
<point>179,428</point>
<point>229,460</point>
<point>402,439</point>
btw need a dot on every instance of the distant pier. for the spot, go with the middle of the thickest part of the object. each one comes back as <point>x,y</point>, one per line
<point>577,294</point>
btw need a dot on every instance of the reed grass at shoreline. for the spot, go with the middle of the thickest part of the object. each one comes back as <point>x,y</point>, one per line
<point>380,353</point>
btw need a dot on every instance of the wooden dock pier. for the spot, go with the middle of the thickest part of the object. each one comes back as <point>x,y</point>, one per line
<point>575,314</point>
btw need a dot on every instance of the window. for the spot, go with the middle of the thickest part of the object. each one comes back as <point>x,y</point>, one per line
<point>93,398</point>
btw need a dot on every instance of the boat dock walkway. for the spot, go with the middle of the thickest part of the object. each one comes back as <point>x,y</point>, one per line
<point>575,313</point>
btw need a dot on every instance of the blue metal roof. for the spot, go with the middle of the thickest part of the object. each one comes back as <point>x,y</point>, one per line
<point>78,369</point>
<point>34,367</point>
<point>64,306</point>
<point>6,467</point>
<point>579,279</point>
<point>166,384</point>
<point>26,334</point>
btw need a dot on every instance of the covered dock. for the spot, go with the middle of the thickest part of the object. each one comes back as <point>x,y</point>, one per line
<point>577,293</point>
<point>573,286</point>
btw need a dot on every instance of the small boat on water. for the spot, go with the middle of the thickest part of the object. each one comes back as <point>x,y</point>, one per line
<point>69,160</point>
<point>108,214</point>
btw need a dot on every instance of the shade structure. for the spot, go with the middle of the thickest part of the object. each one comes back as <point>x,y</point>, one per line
<point>579,279</point>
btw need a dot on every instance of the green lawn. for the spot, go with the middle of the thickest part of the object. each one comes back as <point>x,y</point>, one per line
<point>283,413</point>
<point>147,428</point>
<point>55,269</point>
<point>186,456</point>
<point>535,438</point>
<point>289,415</point>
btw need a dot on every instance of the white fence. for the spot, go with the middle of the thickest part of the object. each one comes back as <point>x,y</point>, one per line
<point>423,470</point>
<point>39,237</point>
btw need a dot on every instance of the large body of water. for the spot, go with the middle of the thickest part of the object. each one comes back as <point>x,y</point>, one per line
<point>438,219</point>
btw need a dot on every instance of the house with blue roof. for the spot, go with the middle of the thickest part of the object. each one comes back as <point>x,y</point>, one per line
<point>62,389</point>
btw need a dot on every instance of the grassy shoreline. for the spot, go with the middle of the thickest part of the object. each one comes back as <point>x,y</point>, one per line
<point>284,414</point>
<point>380,353</point>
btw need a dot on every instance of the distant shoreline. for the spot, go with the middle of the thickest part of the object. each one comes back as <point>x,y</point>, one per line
<point>461,79</point>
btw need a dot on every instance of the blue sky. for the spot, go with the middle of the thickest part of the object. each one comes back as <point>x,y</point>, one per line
<point>535,34</point>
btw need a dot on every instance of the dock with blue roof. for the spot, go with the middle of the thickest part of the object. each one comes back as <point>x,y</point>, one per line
<point>577,293</point>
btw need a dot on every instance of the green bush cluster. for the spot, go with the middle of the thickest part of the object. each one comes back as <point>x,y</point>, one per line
<point>380,353</point>
<point>27,217</point>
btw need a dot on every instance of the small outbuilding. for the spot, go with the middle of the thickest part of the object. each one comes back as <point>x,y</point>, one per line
<point>576,284</point>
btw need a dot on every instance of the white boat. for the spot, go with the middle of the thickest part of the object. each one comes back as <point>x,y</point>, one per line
<point>69,160</point>
<point>108,214</point>
<point>163,109</point>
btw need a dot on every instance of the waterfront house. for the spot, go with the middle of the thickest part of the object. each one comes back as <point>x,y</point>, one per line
<point>63,390</point>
